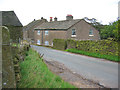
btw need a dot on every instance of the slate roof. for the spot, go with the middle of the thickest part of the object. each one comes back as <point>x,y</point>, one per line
<point>9,18</point>
<point>57,25</point>
<point>32,24</point>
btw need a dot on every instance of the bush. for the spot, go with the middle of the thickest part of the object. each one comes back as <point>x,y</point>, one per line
<point>60,44</point>
<point>107,47</point>
<point>71,44</point>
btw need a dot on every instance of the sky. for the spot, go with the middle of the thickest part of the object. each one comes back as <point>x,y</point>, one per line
<point>105,11</point>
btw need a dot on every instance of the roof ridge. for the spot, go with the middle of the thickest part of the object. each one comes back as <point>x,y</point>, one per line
<point>64,20</point>
<point>65,24</point>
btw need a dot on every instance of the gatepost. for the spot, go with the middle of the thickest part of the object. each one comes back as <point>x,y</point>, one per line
<point>8,75</point>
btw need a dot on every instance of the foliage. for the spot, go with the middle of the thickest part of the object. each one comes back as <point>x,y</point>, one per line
<point>108,47</point>
<point>35,74</point>
<point>103,47</point>
<point>71,43</point>
<point>108,57</point>
<point>110,31</point>
<point>59,44</point>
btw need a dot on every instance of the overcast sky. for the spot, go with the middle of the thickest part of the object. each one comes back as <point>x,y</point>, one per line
<point>104,11</point>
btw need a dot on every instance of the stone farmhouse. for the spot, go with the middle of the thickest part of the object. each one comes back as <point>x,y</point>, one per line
<point>28,30</point>
<point>77,29</point>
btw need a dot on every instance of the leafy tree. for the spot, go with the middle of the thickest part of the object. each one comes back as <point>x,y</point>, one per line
<point>110,31</point>
<point>116,31</point>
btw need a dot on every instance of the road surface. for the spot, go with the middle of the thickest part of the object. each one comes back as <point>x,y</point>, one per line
<point>98,70</point>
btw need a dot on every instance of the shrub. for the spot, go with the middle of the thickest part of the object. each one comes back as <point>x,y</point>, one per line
<point>107,47</point>
<point>59,44</point>
<point>71,44</point>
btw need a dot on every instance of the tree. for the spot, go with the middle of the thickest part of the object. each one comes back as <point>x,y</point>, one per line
<point>116,31</point>
<point>110,31</point>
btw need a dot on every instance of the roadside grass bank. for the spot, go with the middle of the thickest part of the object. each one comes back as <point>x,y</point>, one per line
<point>97,55</point>
<point>35,74</point>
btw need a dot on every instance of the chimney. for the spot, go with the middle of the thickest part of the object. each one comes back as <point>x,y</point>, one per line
<point>69,17</point>
<point>42,18</point>
<point>55,19</point>
<point>51,19</point>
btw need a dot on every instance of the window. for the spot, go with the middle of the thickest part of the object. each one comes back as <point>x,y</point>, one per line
<point>73,32</point>
<point>38,42</point>
<point>38,32</point>
<point>91,32</point>
<point>46,43</point>
<point>46,32</point>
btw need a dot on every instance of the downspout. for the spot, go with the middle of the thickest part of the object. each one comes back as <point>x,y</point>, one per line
<point>42,37</point>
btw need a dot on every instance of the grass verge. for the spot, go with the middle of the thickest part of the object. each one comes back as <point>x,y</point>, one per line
<point>108,57</point>
<point>35,74</point>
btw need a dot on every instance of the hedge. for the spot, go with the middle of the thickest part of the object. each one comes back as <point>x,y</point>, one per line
<point>60,44</point>
<point>107,47</point>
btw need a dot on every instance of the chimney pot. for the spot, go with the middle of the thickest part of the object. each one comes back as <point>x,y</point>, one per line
<point>69,17</point>
<point>55,19</point>
<point>51,19</point>
<point>41,17</point>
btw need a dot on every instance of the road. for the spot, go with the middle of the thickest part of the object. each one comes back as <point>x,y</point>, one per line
<point>98,70</point>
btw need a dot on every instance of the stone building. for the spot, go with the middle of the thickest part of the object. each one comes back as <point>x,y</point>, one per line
<point>11,21</point>
<point>77,29</point>
<point>28,30</point>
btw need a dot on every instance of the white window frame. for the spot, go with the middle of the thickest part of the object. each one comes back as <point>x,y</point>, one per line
<point>47,43</point>
<point>91,34</point>
<point>46,32</point>
<point>38,32</point>
<point>73,35</point>
<point>38,42</point>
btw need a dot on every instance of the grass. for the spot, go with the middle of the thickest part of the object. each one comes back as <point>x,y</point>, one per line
<point>35,74</point>
<point>97,55</point>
